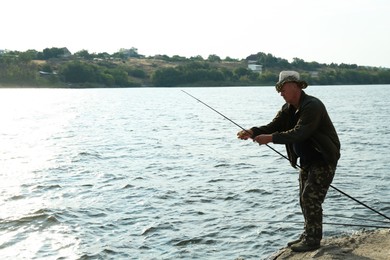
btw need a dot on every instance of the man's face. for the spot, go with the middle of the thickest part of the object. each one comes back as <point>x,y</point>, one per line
<point>290,92</point>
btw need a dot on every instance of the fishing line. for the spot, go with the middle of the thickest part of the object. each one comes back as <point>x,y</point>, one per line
<point>355,218</point>
<point>325,223</point>
<point>285,157</point>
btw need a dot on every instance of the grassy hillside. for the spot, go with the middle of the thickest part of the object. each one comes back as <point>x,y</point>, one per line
<point>53,69</point>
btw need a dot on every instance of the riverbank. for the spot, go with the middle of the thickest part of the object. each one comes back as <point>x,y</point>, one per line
<point>360,245</point>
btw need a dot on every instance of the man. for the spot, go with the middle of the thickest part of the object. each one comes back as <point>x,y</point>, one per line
<point>305,128</point>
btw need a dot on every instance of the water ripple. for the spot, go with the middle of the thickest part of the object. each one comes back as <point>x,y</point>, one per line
<point>92,185</point>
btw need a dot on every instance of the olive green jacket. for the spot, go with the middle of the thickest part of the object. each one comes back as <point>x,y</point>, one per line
<point>313,124</point>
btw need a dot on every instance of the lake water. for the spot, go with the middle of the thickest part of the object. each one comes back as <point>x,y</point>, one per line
<point>153,174</point>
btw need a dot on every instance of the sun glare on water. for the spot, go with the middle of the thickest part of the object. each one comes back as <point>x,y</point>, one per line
<point>26,128</point>
<point>31,120</point>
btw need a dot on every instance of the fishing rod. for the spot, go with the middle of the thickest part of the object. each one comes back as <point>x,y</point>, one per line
<point>285,157</point>
<point>231,121</point>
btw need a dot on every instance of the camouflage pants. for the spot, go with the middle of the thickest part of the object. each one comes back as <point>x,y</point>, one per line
<point>314,182</point>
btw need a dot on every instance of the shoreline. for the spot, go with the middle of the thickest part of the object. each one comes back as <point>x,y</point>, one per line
<point>366,244</point>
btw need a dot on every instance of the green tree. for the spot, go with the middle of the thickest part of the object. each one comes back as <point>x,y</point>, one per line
<point>167,77</point>
<point>228,74</point>
<point>78,72</point>
<point>28,56</point>
<point>103,55</point>
<point>241,71</point>
<point>120,77</point>
<point>197,58</point>
<point>83,54</point>
<point>383,76</point>
<point>177,58</point>
<point>107,79</point>
<point>46,67</point>
<point>12,70</point>
<point>299,64</point>
<point>50,53</point>
<point>137,73</point>
<point>214,58</point>
<point>229,59</point>
<point>269,77</point>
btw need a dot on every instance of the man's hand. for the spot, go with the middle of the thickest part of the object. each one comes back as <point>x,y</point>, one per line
<point>245,134</point>
<point>263,139</point>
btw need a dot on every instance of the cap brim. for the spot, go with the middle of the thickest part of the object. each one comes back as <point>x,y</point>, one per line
<point>280,84</point>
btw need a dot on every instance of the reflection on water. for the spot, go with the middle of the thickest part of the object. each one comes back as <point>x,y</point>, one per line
<point>154,174</point>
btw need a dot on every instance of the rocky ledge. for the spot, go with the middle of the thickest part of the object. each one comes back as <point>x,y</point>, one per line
<point>358,246</point>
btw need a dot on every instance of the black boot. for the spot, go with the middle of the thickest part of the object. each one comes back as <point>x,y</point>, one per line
<point>306,245</point>
<point>296,240</point>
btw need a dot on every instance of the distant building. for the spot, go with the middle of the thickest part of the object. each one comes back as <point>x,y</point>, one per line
<point>66,53</point>
<point>314,74</point>
<point>45,73</point>
<point>130,53</point>
<point>253,66</point>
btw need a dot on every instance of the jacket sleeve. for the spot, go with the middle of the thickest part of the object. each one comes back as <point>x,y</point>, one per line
<point>309,120</point>
<point>277,124</point>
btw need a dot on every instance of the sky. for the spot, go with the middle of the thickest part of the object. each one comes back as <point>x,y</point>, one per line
<point>325,31</point>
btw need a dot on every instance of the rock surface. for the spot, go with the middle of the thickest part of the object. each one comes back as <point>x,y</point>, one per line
<point>359,246</point>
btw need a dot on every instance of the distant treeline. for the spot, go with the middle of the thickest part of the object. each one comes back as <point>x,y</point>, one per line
<point>57,67</point>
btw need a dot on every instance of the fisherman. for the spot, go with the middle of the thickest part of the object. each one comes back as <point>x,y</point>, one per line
<point>304,126</point>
